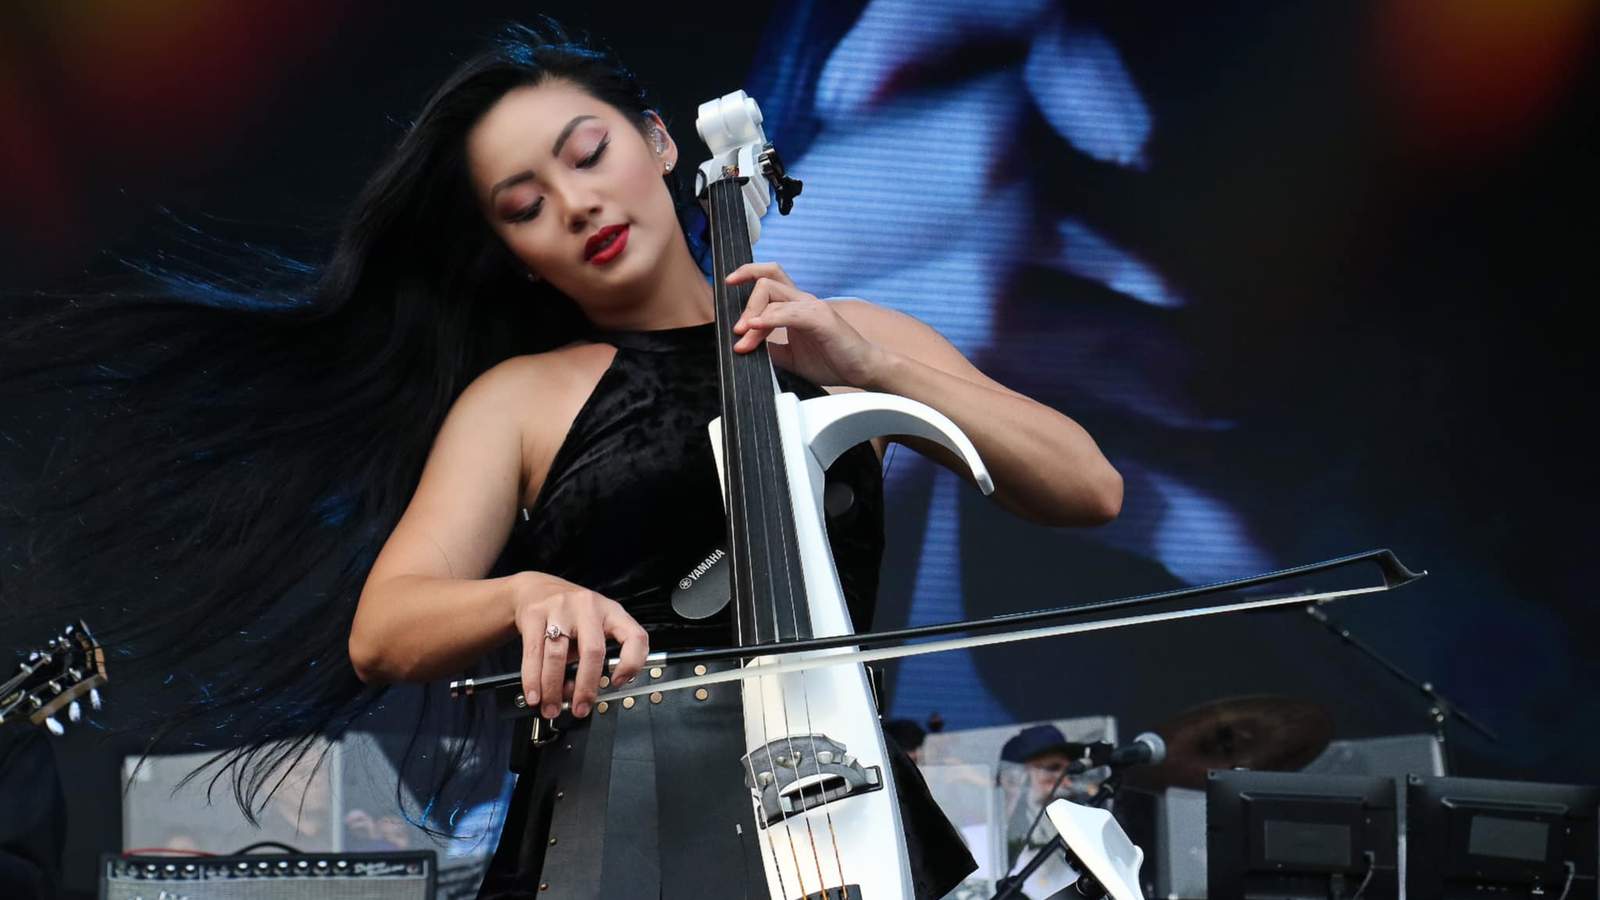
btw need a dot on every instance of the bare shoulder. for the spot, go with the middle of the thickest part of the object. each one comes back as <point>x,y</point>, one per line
<point>541,377</point>
<point>542,393</point>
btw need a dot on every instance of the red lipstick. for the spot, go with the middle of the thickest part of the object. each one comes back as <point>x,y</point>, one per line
<point>606,244</point>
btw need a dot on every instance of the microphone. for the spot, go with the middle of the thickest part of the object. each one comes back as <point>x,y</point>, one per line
<point>1147,749</point>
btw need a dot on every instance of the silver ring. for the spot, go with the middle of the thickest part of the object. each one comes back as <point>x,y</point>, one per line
<point>553,632</point>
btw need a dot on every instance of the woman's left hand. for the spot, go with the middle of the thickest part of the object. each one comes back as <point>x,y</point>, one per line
<point>822,347</point>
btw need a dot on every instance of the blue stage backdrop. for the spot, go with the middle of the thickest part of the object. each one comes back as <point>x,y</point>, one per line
<point>1303,269</point>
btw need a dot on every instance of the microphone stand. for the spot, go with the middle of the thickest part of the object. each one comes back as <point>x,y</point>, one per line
<point>1012,883</point>
<point>1440,709</point>
<point>1085,886</point>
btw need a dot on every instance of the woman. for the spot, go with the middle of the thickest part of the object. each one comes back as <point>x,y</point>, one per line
<point>531,207</point>
<point>570,181</point>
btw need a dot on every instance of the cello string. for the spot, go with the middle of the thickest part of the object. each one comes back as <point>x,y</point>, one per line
<point>770,425</point>
<point>784,505</point>
<point>732,460</point>
<point>757,414</point>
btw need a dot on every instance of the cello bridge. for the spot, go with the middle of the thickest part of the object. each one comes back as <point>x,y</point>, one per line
<point>793,774</point>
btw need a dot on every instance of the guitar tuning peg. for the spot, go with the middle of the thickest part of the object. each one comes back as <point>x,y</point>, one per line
<point>74,712</point>
<point>55,727</point>
<point>94,699</point>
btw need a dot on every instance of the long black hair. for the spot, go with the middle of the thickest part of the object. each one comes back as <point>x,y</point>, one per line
<point>248,438</point>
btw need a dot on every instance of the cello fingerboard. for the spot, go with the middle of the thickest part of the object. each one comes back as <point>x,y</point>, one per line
<point>768,585</point>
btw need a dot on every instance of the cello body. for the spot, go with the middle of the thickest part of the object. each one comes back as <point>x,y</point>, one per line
<point>822,791</point>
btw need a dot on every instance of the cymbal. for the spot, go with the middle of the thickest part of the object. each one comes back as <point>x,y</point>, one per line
<point>1266,733</point>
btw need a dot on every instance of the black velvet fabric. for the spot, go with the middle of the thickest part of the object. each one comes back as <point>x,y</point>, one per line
<point>630,505</point>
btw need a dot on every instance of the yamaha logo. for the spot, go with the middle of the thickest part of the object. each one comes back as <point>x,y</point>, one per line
<point>704,567</point>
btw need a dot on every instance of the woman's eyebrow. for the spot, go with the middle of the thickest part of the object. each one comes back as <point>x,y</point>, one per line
<point>555,150</point>
<point>566,132</point>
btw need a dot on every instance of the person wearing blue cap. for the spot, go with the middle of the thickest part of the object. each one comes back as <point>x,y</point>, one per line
<point>1046,756</point>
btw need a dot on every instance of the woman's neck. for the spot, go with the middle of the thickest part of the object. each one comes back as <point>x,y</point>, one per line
<point>679,296</point>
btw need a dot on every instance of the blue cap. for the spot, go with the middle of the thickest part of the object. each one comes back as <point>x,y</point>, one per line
<point>1037,739</point>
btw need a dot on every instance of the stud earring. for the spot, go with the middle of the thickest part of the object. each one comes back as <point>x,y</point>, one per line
<point>533,278</point>
<point>669,167</point>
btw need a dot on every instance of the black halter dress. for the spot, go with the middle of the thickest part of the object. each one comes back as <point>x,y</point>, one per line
<point>649,801</point>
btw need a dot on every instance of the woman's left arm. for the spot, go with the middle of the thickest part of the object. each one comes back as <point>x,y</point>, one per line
<point>1046,468</point>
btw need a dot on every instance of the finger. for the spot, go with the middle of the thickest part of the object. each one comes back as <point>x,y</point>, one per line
<point>785,315</point>
<point>554,670</point>
<point>766,292</point>
<point>754,270</point>
<point>532,626</point>
<point>751,340</point>
<point>760,325</point>
<point>591,640</point>
<point>635,641</point>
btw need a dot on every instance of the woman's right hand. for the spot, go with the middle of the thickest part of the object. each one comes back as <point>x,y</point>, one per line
<point>585,620</point>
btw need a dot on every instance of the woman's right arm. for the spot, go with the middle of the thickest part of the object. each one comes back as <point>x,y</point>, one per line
<point>427,611</point>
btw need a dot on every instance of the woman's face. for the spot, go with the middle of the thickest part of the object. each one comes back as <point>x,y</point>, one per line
<point>573,188</point>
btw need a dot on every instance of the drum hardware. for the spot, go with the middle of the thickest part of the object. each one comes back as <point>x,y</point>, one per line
<point>1440,709</point>
<point>1264,733</point>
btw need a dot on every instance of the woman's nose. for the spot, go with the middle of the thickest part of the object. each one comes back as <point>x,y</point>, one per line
<point>578,205</point>
<point>579,216</point>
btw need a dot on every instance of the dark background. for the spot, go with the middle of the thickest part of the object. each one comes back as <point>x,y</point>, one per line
<point>1380,217</point>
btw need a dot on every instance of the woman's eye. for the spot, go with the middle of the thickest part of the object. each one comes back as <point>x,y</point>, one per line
<point>594,157</point>
<point>528,213</point>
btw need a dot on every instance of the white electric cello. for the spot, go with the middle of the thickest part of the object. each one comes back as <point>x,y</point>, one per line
<point>822,792</point>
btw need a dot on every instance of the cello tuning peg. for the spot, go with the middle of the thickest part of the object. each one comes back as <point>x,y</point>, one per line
<point>94,699</point>
<point>55,727</point>
<point>785,187</point>
<point>74,712</point>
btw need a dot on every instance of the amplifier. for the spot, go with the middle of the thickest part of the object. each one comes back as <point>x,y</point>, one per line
<point>277,876</point>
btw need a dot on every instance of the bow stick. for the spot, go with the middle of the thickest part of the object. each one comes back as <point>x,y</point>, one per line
<point>999,629</point>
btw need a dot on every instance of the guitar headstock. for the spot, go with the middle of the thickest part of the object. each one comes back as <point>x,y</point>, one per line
<point>54,677</point>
